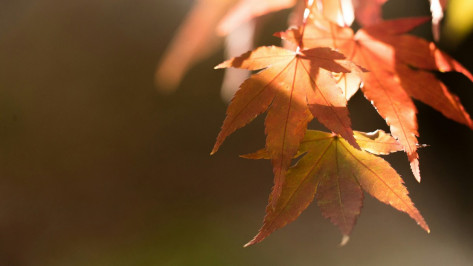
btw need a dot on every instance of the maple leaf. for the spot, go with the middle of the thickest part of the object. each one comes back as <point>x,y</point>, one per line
<point>294,87</point>
<point>396,73</point>
<point>335,173</point>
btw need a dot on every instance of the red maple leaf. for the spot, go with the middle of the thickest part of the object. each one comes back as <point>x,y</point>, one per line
<point>396,72</point>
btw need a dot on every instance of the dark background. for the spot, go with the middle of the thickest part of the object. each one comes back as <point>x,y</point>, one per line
<point>98,168</point>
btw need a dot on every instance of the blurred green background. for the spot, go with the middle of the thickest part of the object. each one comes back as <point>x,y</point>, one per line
<point>98,168</point>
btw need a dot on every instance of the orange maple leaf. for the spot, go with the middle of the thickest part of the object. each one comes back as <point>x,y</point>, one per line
<point>396,72</point>
<point>293,86</point>
<point>335,174</point>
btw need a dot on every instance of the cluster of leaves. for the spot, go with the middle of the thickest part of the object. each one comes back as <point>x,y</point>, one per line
<point>323,64</point>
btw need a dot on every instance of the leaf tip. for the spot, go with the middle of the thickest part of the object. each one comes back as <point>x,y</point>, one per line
<point>415,169</point>
<point>417,177</point>
<point>217,145</point>
<point>225,64</point>
<point>344,241</point>
<point>357,146</point>
<point>214,150</point>
<point>353,142</point>
<point>219,66</point>
<point>252,242</point>
<point>425,226</point>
